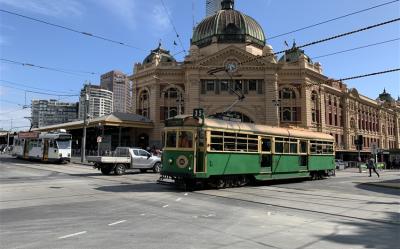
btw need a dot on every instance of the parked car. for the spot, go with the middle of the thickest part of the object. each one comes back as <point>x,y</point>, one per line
<point>340,164</point>
<point>125,158</point>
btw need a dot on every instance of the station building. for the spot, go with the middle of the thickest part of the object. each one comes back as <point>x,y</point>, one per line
<point>228,54</point>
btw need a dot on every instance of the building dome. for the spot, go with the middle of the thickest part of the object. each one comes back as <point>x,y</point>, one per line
<point>159,55</point>
<point>228,26</point>
<point>385,96</point>
<point>293,55</point>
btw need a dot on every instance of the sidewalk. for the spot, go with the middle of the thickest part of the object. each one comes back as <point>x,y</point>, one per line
<point>77,160</point>
<point>389,178</point>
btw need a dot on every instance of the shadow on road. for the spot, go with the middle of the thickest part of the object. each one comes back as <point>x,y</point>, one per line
<point>379,189</point>
<point>141,187</point>
<point>369,235</point>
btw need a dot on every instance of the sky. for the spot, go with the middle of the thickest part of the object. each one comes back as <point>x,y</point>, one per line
<point>142,24</point>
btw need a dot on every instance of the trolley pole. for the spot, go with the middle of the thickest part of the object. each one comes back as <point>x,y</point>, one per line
<point>83,149</point>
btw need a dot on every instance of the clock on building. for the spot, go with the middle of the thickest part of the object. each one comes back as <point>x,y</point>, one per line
<point>231,66</point>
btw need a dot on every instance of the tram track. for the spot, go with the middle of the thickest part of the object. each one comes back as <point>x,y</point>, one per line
<point>340,214</point>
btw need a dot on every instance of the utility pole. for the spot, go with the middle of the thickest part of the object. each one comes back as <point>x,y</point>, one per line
<point>8,133</point>
<point>83,149</point>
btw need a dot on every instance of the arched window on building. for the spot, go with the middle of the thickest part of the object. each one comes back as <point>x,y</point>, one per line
<point>352,123</point>
<point>144,104</point>
<point>243,117</point>
<point>172,103</point>
<point>315,110</point>
<point>289,111</point>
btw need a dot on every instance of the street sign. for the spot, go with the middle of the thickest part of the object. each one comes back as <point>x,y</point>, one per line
<point>374,148</point>
<point>99,138</point>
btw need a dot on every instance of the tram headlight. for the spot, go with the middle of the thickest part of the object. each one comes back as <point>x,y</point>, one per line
<point>170,161</point>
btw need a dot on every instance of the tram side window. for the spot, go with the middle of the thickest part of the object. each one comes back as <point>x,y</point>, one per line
<point>286,145</point>
<point>279,145</point>
<point>171,139</point>
<point>228,141</point>
<point>320,147</point>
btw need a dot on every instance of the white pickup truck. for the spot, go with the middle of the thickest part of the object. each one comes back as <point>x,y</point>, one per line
<point>125,158</point>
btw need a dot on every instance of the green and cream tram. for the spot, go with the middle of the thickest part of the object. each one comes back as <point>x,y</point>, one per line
<point>226,154</point>
<point>45,146</point>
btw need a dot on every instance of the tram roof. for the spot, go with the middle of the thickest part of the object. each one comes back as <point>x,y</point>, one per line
<point>260,129</point>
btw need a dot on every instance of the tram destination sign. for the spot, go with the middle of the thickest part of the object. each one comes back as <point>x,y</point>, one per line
<point>28,134</point>
<point>198,112</point>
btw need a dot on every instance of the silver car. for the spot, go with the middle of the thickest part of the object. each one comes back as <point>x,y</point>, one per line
<point>125,158</point>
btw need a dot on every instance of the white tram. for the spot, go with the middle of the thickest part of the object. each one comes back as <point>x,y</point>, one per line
<point>45,146</point>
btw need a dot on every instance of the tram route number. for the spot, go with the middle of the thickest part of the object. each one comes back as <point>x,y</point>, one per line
<point>198,112</point>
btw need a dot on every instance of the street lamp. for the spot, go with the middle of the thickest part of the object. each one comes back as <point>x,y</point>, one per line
<point>277,104</point>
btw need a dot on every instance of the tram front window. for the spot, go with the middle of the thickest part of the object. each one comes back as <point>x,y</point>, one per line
<point>63,144</point>
<point>171,139</point>
<point>185,139</point>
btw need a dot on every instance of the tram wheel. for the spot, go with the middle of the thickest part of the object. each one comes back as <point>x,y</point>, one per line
<point>220,183</point>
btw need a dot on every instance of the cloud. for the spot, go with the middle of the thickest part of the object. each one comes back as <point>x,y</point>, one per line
<point>160,18</point>
<point>122,9</point>
<point>55,8</point>
<point>133,13</point>
<point>2,91</point>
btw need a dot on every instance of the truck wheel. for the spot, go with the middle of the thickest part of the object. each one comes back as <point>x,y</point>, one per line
<point>157,168</point>
<point>119,169</point>
<point>105,170</point>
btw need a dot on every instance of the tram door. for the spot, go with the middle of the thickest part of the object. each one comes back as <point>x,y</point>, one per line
<point>45,150</point>
<point>199,153</point>
<point>266,155</point>
<point>303,157</point>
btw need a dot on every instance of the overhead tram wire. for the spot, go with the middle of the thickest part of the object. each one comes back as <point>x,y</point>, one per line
<point>72,30</point>
<point>333,19</point>
<point>343,79</point>
<point>323,40</point>
<point>41,93</point>
<point>176,32</point>
<point>356,48</point>
<point>67,71</point>
<point>36,88</point>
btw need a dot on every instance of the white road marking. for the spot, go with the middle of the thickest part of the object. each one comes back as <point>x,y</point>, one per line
<point>117,222</point>
<point>71,235</point>
<point>186,194</point>
<point>165,206</point>
<point>178,199</point>
<point>142,214</point>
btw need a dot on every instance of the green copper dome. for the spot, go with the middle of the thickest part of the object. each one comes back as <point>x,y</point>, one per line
<point>228,26</point>
<point>385,96</point>
<point>159,54</point>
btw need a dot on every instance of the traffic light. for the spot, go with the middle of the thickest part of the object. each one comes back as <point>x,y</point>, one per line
<point>359,142</point>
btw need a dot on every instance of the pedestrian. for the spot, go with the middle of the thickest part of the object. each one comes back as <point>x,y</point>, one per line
<point>371,166</point>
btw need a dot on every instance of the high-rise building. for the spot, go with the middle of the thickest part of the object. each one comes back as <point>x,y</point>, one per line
<point>212,7</point>
<point>118,83</point>
<point>100,101</point>
<point>51,112</point>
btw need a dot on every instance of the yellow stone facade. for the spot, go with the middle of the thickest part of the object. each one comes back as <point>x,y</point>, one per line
<point>276,93</point>
<point>291,91</point>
